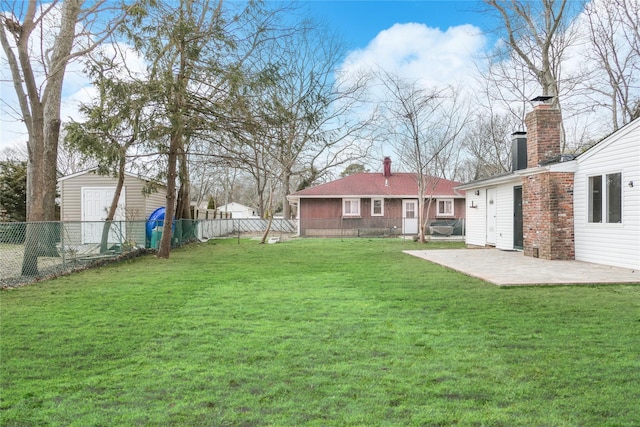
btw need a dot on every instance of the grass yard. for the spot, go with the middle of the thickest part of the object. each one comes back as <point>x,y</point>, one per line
<point>314,332</point>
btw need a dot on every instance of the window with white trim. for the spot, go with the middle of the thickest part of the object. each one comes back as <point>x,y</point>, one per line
<point>444,207</point>
<point>377,207</point>
<point>351,207</point>
<point>605,198</point>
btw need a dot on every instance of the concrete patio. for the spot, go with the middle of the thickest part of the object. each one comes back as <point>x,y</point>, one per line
<point>512,268</point>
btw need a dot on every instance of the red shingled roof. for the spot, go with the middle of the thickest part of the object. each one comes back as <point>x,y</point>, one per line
<point>366,184</point>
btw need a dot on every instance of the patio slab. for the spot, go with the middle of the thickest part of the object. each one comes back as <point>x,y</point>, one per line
<point>512,268</point>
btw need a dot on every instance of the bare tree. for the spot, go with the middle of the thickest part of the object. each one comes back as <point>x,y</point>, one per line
<point>71,161</point>
<point>39,41</point>
<point>38,77</point>
<point>422,126</point>
<point>488,144</point>
<point>536,34</point>
<point>614,33</point>
<point>305,113</point>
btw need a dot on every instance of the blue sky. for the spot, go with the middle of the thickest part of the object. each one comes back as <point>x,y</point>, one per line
<point>427,39</point>
<point>436,42</point>
<point>359,21</point>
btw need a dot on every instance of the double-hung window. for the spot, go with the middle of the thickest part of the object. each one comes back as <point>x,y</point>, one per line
<point>444,207</point>
<point>351,207</point>
<point>605,198</point>
<point>377,207</point>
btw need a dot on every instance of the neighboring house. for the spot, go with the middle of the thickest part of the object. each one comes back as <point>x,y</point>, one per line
<point>377,204</point>
<point>554,206</point>
<point>86,197</point>
<point>237,210</point>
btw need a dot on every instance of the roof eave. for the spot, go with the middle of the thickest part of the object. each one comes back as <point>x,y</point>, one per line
<point>371,196</point>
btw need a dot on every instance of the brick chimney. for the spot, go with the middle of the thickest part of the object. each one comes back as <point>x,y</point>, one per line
<point>543,134</point>
<point>547,195</point>
<point>386,167</point>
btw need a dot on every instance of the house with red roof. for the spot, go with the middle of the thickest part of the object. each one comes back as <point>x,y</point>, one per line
<point>378,204</point>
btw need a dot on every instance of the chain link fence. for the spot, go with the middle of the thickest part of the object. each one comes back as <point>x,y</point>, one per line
<point>37,250</point>
<point>451,229</point>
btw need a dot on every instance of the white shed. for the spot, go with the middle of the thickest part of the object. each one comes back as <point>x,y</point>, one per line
<point>238,210</point>
<point>86,196</point>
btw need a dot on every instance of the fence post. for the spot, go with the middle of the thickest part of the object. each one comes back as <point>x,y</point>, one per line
<point>62,245</point>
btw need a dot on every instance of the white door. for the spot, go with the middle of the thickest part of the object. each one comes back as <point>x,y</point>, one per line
<point>95,206</point>
<point>491,216</point>
<point>409,217</point>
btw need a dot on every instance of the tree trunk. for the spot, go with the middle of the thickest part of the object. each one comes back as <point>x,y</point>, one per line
<point>114,205</point>
<point>183,206</point>
<point>425,224</point>
<point>421,219</point>
<point>269,214</point>
<point>286,184</point>
<point>165,242</point>
<point>42,119</point>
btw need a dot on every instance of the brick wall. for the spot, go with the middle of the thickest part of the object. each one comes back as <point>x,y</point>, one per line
<point>543,134</point>
<point>547,211</point>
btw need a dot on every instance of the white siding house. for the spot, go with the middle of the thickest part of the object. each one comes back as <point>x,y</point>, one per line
<point>487,225</point>
<point>602,209</point>
<point>608,239</point>
<point>238,210</point>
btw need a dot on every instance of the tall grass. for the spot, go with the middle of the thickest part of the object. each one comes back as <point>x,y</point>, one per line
<point>314,332</point>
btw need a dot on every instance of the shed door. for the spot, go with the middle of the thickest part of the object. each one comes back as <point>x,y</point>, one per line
<point>410,217</point>
<point>491,216</point>
<point>95,206</point>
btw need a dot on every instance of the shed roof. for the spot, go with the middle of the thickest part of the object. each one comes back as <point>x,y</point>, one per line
<point>368,184</point>
<point>94,171</point>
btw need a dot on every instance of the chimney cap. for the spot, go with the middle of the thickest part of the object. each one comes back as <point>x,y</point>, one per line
<point>519,133</point>
<point>542,98</point>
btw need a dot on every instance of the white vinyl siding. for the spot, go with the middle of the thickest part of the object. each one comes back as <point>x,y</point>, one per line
<point>504,222</point>
<point>138,205</point>
<point>154,201</point>
<point>476,218</point>
<point>613,244</point>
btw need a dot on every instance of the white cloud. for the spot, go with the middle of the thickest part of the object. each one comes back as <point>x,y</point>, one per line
<point>416,51</point>
<point>433,57</point>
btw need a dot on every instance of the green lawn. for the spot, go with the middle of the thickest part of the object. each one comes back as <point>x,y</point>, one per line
<point>314,332</point>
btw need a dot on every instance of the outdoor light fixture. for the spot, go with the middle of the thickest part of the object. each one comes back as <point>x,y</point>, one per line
<point>630,184</point>
<point>477,193</point>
